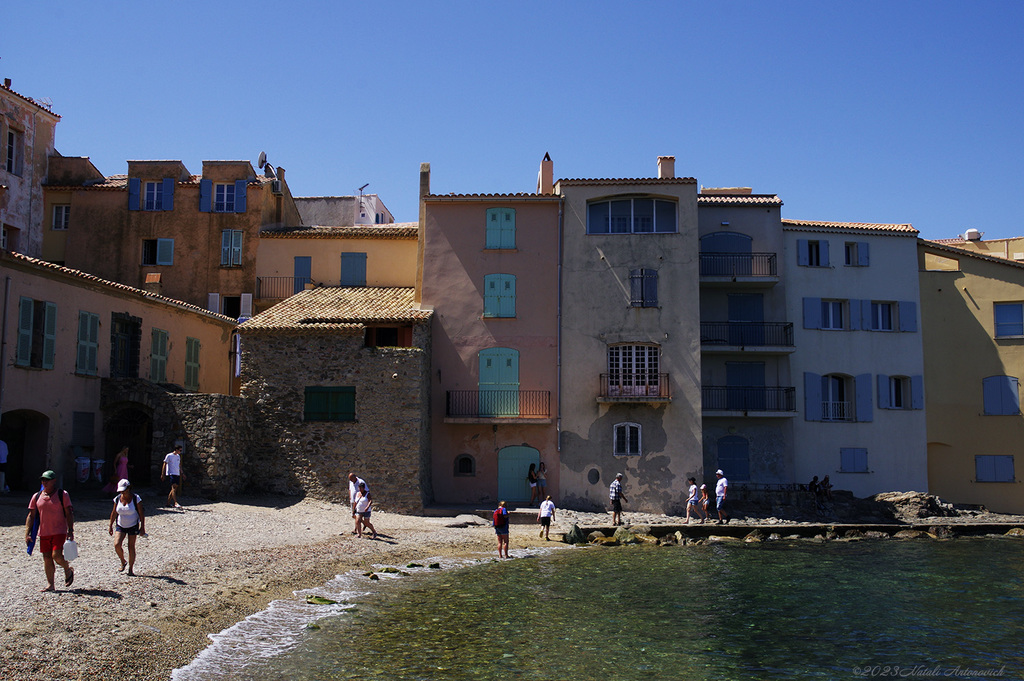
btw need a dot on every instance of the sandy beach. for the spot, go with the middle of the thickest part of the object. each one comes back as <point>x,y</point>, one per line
<point>204,568</point>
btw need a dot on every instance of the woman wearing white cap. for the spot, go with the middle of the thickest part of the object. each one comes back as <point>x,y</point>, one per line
<point>131,522</point>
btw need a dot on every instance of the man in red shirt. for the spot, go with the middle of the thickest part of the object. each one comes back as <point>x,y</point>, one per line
<point>56,524</point>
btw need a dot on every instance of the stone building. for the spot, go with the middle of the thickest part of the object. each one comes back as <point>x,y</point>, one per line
<point>339,377</point>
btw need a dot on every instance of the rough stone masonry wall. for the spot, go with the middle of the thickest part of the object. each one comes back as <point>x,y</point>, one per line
<point>219,433</point>
<point>387,444</point>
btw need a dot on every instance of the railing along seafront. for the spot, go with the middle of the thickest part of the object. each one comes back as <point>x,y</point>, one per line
<point>498,404</point>
<point>632,385</point>
<point>276,288</point>
<point>747,333</point>
<point>737,265</point>
<point>748,398</point>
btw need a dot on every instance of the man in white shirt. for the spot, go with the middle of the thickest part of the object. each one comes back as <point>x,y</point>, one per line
<point>172,469</point>
<point>353,491</point>
<point>546,516</point>
<point>721,489</point>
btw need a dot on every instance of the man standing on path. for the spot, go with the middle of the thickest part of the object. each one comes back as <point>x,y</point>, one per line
<point>721,489</point>
<point>353,491</point>
<point>616,496</point>
<point>172,469</point>
<point>56,524</point>
<point>546,516</point>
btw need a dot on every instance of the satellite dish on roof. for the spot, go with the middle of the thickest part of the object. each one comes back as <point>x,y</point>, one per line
<point>262,160</point>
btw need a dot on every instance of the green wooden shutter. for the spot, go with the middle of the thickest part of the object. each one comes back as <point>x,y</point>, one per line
<point>50,335</point>
<point>165,251</point>
<point>192,364</point>
<point>26,312</point>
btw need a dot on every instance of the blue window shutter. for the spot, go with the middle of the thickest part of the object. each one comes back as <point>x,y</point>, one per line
<point>1003,468</point>
<point>917,392</point>
<point>823,250</point>
<point>490,295</point>
<point>493,228</point>
<point>205,195</point>
<point>636,288</point>
<point>134,192</point>
<point>862,254</point>
<point>1009,395</point>
<point>802,252</point>
<point>507,296</point>
<point>168,198</point>
<point>49,335</point>
<point>812,396</point>
<point>353,269</point>
<point>865,315</point>
<point>991,391</point>
<point>241,186</point>
<point>883,391</point>
<point>508,228</point>
<point>650,286</point>
<point>812,313</point>
<point>862,386</point>
<point>26,313</point>
<point>908,316</point>
<point>165,251</point>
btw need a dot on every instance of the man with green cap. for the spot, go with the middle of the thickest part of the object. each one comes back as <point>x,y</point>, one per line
<point>56,524</point>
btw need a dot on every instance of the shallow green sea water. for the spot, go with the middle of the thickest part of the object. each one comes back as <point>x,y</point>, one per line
<point>722,611</point>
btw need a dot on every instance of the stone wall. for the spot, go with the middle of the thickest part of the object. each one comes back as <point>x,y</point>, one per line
<point>387,444</point>
<point>220,433</point>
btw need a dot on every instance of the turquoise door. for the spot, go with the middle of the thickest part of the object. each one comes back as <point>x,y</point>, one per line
<point>513,465</point>
<point>303,272</point>
<point>499,382</point>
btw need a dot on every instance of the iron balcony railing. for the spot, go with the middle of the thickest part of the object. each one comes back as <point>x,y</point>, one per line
<point>523,404</point>
<point>737,265</point>
<point>748,398</point>
<point>633,385</point>
<point>836,411</point>
<point>277,288</point>
<point>746,333</point>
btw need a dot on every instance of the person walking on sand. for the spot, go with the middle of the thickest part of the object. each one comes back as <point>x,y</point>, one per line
<point>721,489</point>
<point>130,517</point>
<point>616,497</point>
<point>56,524</point>
<point>120,471</point>
<point>546,516</point>
<point>172,469</point>
<point>354,482</point>
<point>692,503</point>
<point>361,510</point>
<point>704,500</point>
<point>500,521</point>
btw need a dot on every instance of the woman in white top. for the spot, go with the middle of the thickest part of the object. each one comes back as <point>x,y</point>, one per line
<point>361,508</point>
<point>130,517</point>
<point>693,503</point>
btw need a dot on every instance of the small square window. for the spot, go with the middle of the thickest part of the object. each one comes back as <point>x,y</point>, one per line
<point>61,217</point>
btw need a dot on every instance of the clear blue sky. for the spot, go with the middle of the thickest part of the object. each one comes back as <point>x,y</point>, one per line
<point>850,111</point>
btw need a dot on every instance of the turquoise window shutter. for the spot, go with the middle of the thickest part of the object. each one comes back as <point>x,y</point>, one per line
<point>165,251</point>
<point>205,195</point>
<point>168,199</point>
<point>507,297</point>
<point>49,335</point>
<point>240,192</point>
<point>26,311</point>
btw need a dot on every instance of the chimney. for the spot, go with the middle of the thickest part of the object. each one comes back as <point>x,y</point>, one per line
<point>545,179</point>
<point>424,179</point>
<point>666,167</point>
<point>153,284</point>
<point>7,83</point>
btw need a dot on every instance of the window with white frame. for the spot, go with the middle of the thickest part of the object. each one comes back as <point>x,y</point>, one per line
<point>15,151</point>
<point>856,254</point>
<point>631,216</point>
<point>812,252</point>
<point>993,468</point>
<point>881,316</point>
<point>835,401</point>
<point>853,460</point>
<point>224,198</point>
<point>61,216</point>
<point>1009,319</point>
<point>832,315</point>
<point>627,439</point>
<point>153,199</point>
<point>633,370</point>
<point>899,392</point>
<point>231,247</point>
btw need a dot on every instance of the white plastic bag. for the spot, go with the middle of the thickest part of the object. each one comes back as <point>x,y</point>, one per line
<point>70,549</point>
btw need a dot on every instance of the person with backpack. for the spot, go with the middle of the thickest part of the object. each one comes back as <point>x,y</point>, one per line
<point>52,506</point>
<point>130,516</point>
<point>500,521</point>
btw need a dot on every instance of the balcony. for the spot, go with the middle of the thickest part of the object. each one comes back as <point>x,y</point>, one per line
<point>775,337</point>
<point>279,288</point>
<point>742,400</point>
<point>498,406</point>
<point>738,268</point>
<point>639,387</point>
<point>836,411</point>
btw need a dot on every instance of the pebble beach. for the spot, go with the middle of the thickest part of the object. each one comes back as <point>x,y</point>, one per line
<point>206,567</point>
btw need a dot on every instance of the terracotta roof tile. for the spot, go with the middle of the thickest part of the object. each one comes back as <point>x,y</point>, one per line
<point>120,182</point>
<point>29,100</point>
<point>629,180</point>
<point>336,309</point>
<point>739,199</point>
<point>495,197</point>
<point>814,225</point>
<point>84,277</point>
<point>940,245</point>
<point>397,230</point>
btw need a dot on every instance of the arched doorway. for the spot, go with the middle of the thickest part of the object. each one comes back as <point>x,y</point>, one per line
<point>133,427</point>
<point>27,435</point>
<point>513,465</point>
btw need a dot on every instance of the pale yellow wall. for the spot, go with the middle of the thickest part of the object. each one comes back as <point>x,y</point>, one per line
<point>960,350</point>
<point>389,262</point>
<point>54,241</point>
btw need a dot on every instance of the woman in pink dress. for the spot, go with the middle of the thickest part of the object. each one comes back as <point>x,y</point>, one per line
<point>120,470</point>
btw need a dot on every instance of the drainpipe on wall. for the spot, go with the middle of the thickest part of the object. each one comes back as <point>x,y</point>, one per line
<point>558,335</point>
